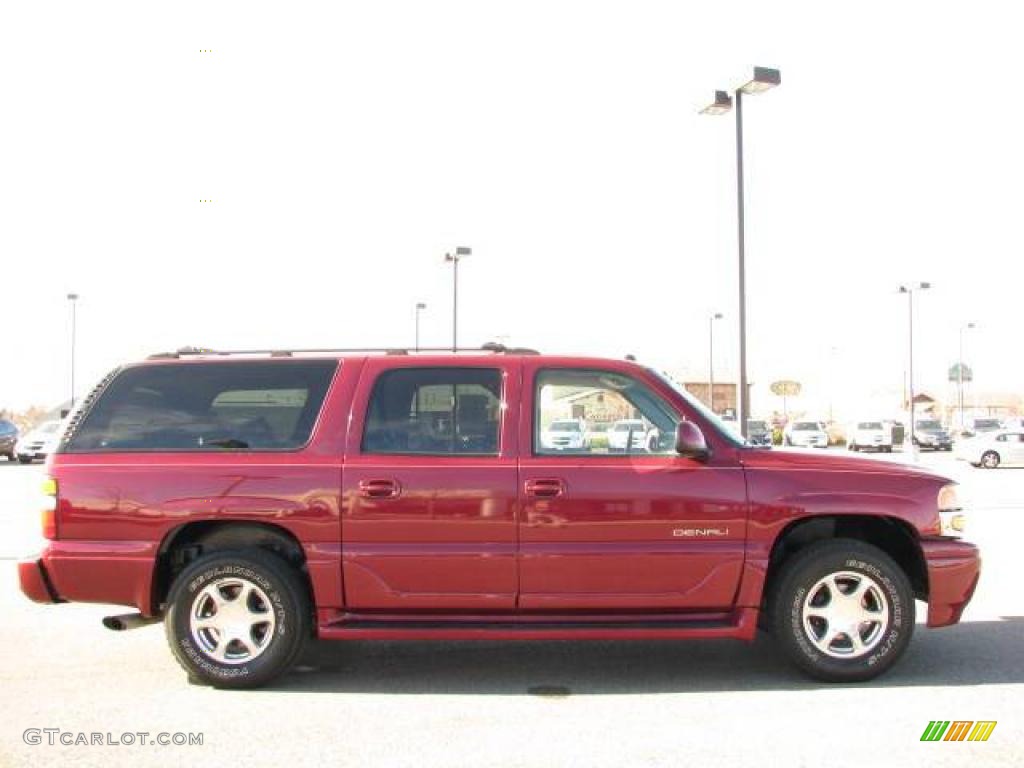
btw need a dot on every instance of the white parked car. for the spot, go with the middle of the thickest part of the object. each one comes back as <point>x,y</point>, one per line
<point>805,434</point>
<point>641,436</point>
<point>39,443</point>
<point>993,449</point>
<point>870,435</point>
<point>980,426</point>
<point>567,435</point>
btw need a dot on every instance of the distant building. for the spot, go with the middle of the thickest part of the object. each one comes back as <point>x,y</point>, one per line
<point>725,395</point>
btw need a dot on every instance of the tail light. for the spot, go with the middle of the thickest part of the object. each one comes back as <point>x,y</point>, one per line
<point>49,508</point>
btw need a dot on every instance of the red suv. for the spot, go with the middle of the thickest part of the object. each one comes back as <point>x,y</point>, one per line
<point>254,500</point>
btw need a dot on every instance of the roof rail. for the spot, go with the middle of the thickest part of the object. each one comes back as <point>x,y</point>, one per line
<point>492,347</point>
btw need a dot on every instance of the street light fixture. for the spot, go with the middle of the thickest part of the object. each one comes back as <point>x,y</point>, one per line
<point>909,290</point>
<point>460,252</point>
<point>960,374</point>
<point>73,299</point>
<point>711,359</point>
<point>763,80</point>
<point>420,306</point>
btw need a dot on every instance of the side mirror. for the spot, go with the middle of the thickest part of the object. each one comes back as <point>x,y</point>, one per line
<point>690,441</point>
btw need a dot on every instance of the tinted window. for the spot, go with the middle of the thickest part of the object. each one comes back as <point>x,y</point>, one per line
<point>6,427</point>
<point>807,426</point>
<point>268,406</point>
<point>870,425</point>
<point>434,411</point>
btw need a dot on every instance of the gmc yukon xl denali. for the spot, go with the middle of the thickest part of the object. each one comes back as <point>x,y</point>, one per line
<point>252,501</point>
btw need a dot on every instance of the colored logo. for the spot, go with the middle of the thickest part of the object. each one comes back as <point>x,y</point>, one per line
<point>958,730</point>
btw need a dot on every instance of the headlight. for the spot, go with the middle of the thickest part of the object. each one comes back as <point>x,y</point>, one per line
<point>952,520</point>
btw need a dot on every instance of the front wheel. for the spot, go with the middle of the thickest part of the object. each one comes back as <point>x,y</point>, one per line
<point>237,619</point>
<point>842,610</point>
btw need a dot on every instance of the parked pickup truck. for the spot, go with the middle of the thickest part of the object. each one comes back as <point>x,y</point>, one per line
<point>252,501</point>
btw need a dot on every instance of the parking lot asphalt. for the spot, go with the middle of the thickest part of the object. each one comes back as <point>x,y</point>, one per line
<point>518,704</point>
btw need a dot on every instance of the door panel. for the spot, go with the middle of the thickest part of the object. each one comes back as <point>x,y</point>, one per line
<point>630,532</point>
<point>431,532</point>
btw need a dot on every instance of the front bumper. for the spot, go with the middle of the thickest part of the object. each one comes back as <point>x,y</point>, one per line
<point>953,570</point>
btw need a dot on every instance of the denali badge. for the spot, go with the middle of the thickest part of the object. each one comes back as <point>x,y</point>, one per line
<point>688,532</point>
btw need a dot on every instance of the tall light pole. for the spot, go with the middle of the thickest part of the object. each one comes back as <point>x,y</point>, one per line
<point>420,306</point>
<point>764,79</point>
<point>73,299</point>
<point>909,290</point>
<point>711,359</point>
<point>460,252</point>
<point>960,374</point>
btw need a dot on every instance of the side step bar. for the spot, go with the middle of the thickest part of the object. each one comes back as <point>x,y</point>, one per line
<point>740,624</point>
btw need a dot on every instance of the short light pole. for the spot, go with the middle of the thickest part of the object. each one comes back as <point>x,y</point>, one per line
<point>764,79</point>
<point>73,299</point>
<point>420,306</point>
<point>460,252</point>
<point>711,359</point>
<point>909,290</point>
<point>960,374</point>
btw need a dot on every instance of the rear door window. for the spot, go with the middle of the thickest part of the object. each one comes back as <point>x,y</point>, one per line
<point>230,406</point>
<point>435,411</point>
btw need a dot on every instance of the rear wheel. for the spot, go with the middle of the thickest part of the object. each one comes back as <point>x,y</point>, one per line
<point>842,610</point>
<point>990,459</point>
<point>237,619</point>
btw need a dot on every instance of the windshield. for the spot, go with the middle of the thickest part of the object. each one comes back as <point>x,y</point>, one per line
<point>628,425</point>
<point>49,427</point>
<point>697,405</point>
<point>986,424</point>
<point>565,426</point>
<point>929,424</point>
<point>806,426</point>
<point>870,425</point>
<point>757,426</point>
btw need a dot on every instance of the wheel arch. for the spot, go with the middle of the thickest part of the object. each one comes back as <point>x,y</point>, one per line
<point>188,541</point>
<point>892,535</point>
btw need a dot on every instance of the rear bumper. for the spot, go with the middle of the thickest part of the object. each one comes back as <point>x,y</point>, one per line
<point>115,572</point>
<point>953,571</point>
<point>35,582</point>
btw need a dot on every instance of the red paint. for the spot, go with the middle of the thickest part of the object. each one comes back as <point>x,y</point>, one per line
<point>511,546</point>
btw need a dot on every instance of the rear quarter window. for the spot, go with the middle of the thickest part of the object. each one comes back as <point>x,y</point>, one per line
<point>225,406</point>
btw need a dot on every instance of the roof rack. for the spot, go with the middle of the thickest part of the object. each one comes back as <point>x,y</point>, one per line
<point>492,347</point>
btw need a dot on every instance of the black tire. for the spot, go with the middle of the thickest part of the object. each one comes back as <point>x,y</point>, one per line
<point>990,459</point>
<point>25,459</point>
<point>286,603</point>
<point>885,643</point>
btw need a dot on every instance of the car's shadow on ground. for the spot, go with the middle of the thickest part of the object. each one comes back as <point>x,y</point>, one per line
<point>975,653</point>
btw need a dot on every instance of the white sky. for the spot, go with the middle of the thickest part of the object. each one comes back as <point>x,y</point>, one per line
<point>346,146</point>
